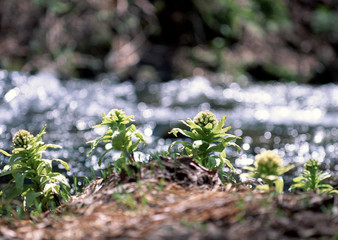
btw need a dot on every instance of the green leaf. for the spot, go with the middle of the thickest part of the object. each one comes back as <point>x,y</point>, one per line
<point>41,169</point>
<point>58,177</point>
<point>100,159</point>
<point>218,148</point>
<point>279,183</point>
<point>29,198</point>
<point>284,169</point>
<point>94,144</point>
<point>270,177</point>
<point>133,146</point>
<point>299,185</point>
<point>236,146</point>
<point>19,180</point>
<point>53,146</point>
<point>220,125</point>
<point>64,193</point>
<point>51,188</point>
<point>325,186</point>
<point>251,169</point>
<point>131,128</point>
<point>4,173</point>
<point>13,193</point>
<point>222,133</point>
<point>195,127</point>
<point>183,132</point>
<point>226,161</point>
<point>119,140</point>
<point>323,176</point>
<point>299,179</point>
<point>139,135</point>
<point>264,187</point>
<point>208,126</point>
<point>41,133</point>
<point>42,179</point>
<point>47,164</point>
<point>5,153</point>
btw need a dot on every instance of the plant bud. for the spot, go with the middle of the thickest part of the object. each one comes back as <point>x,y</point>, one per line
<point>311,165</point>
<point>268,161</point>
<point>22,138</point>
<point>116,114</point>
<point>205,117</point>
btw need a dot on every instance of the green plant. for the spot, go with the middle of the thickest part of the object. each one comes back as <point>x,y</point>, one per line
<point>311,178</point>
<point>208,138</point>
<point>118,135</point>
<point>268,167</point>
<point>33,178</point>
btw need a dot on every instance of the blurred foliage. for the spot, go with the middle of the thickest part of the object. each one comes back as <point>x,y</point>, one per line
<point>56,6</point>
<point>83,38</point>
<point>229,16</point>
<point>324,21</point>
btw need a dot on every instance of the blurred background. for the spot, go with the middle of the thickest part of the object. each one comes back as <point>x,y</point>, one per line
<point>161,40</point>
<point>271,66</point>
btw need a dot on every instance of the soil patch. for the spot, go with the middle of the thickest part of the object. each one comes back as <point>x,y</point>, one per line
<point>179,199</point>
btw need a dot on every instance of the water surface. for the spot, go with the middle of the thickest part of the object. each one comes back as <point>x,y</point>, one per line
<point>298,121</point>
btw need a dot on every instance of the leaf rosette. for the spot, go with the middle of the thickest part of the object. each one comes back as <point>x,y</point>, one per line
<point>27,165</point>
<point>268,167</point>
<point>118,135</point>
<point>311,179</point>
<point>209,140</point>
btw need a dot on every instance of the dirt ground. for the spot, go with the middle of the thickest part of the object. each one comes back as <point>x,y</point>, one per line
<point>170,199</point>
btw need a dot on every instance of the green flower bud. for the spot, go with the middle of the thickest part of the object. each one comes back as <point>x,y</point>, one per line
<point>119,116</point>
<point>312,165</point>
<point>267,162</point>
<point>22,139</point>
<point>205,117</point>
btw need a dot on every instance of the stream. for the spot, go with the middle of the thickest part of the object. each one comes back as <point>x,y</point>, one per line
<point>298,121</point>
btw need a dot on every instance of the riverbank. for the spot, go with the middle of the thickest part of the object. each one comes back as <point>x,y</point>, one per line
<point>180,200</point>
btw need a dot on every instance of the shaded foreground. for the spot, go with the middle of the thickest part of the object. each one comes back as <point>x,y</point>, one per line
<point>180,199</point>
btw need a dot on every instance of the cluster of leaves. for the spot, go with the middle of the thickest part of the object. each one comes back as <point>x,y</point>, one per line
<point>32,176</point>
<point>34,181</point>
<point>268,167</point>
<point>118,135</point>
<point>209,140</point>
<point>311,179</point>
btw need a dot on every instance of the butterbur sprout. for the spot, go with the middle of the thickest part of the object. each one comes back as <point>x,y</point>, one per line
<point>26,164</point>
<point>268,166</point>
<point>311,179</point>
<point>22,138</point>
<point>209,140</point>
<point>205,117</point>
<point>268,162</point>
<point>122,137</point>
<point>119,116</point>
<point>312,165</point>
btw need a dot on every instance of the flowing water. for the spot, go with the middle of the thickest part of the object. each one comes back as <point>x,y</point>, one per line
<point>298,121</point>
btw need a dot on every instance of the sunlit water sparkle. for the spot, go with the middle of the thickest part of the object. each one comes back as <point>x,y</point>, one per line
<point>300,121</point>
